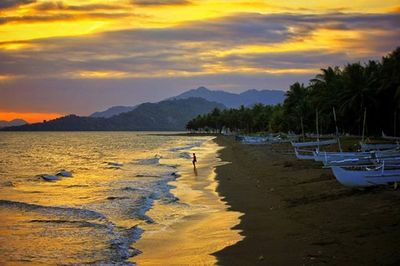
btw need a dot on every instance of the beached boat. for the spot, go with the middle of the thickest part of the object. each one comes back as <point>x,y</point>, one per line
<point>324,156</point>
<point>379,146</point>
<point>314,143</point>
<point>252,139</point>
<point>389,137</point>
<point>333,158</point>
<point>269,139</point>
<point>304,154</point>
<point>391,160</point>
<point>366,177</point>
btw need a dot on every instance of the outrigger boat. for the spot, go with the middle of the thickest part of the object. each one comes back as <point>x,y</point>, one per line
<point>307,154</point>
<point>304,154</point>
<point>389,137</point>
<point>314,143</point>
<point>390,159</point>
<point>379,146</point>
<point>268,139</point>
<point>336,158</point>
<point>367,177</point>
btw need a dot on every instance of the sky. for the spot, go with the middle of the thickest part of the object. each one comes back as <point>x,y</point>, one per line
<point>78,57</point>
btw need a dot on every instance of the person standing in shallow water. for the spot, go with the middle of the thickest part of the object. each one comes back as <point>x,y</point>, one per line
<point>194,160</point>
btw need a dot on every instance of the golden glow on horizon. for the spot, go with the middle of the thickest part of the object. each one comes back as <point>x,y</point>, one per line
<point>102,74</point>
<point>28,116</point>
<point>5,78</point>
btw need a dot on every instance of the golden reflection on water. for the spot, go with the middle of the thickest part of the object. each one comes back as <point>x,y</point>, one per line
<point>205,227</point>
<point>92,216</point>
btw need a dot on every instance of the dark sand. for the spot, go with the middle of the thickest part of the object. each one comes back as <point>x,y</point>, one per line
<point>296,213</point>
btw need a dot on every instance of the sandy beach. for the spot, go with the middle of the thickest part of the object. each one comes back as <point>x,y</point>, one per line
<point>296,213</point>
<point>197,225</point>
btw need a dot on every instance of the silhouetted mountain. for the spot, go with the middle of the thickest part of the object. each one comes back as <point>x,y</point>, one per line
<point>233,100</point>
<point>15,122</point>
<point>167,115</point>
<point>115,110</point>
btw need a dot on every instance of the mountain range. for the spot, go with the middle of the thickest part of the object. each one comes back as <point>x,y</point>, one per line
<point>234,100</point>
<point>15,122</point>
<point>168,115</point>
<point>228,99</point>
<point>115,110</point>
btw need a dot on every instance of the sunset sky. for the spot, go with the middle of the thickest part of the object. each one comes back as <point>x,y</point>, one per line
<point>74,56</point>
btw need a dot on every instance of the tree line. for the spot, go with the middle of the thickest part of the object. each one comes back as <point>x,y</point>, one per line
<point>363,97</point>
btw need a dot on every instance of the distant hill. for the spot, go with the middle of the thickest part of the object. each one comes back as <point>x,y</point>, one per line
<point>15,122</point>
<point>167,115</point>
<point>115,110</point>
<point>233,100</point>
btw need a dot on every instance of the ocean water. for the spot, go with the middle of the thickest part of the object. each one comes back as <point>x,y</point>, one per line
<point>99,213</point>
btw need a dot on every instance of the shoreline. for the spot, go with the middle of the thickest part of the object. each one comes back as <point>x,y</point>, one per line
<point>296,213</point>
<point>190,230</point>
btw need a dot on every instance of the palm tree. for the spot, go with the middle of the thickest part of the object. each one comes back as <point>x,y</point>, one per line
<point>357,94</point>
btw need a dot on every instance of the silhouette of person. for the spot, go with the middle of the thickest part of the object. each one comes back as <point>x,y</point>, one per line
<point>194,160</point>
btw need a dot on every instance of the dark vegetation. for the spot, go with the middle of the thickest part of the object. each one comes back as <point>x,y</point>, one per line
<point>356,89</point>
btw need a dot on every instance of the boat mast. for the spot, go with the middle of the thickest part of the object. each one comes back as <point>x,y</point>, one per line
<point>394,126</point>
<point>337,129</point>
<point>316,124</point>
<point>363,131</point>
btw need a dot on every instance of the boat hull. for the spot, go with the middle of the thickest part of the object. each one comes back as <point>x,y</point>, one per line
<point>350,178</point>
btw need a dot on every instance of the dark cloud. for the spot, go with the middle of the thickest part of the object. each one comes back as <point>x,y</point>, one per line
<point>60,17</point>
<point>190,47</point>
<point>59,5</point>
<point>160,2</point>
<point>52,65</point>
<point>14,3</point>
<point>287,60</point>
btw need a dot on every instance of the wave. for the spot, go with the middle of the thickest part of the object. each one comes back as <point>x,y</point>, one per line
<point>149,161</point>
<point>122,242</point>
<point>185,155</point>
<point>146,175</point>
<point>187,147</point>
<point>121,238</point>
<point>72,186</point>
<point>56,177</point>
<point>60,211</point>
<point>8,184</point>
<point>73,222</point>
<point>114,165</point>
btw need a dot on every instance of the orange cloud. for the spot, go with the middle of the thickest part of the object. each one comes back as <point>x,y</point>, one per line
<point>28,116</point>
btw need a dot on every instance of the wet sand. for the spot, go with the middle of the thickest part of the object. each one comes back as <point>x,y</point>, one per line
<point>296,213</point>
<point>197,225</point>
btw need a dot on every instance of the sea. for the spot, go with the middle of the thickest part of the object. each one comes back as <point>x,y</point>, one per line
<point>111,198</point>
